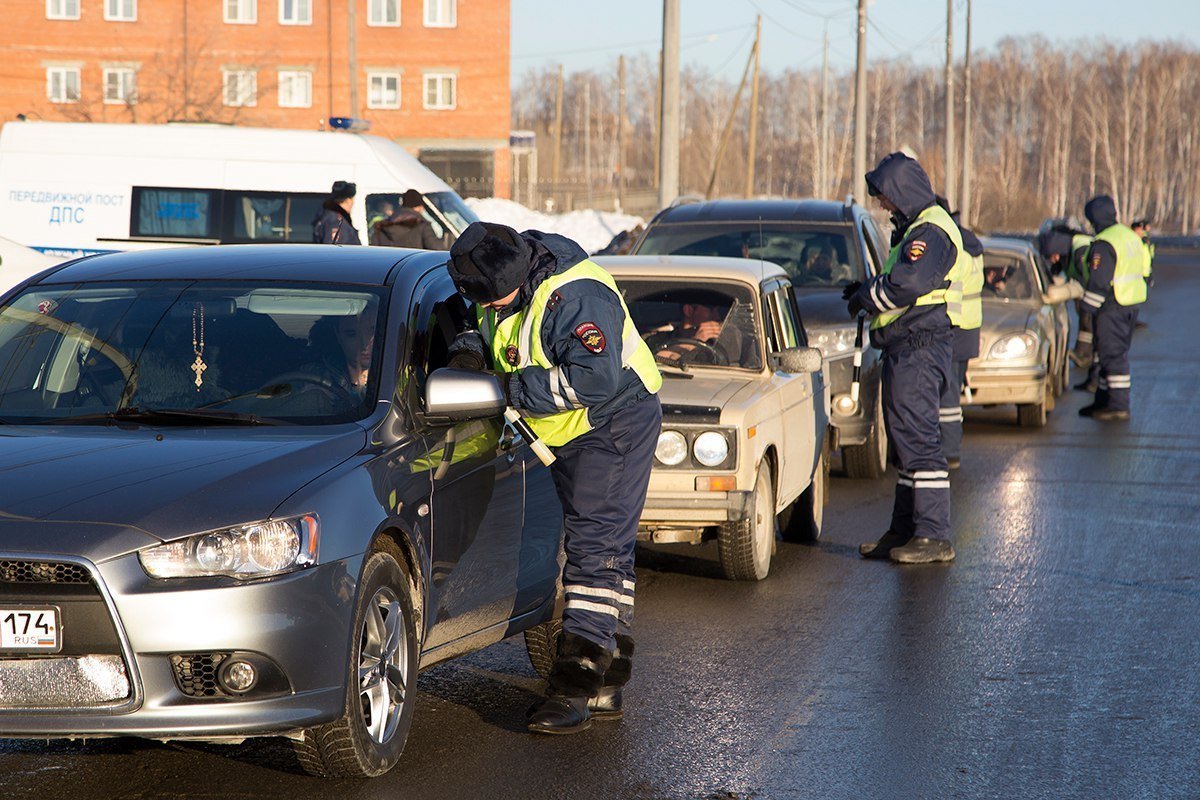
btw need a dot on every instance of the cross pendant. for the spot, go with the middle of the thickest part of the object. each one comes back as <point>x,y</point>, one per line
<point>198,367</point>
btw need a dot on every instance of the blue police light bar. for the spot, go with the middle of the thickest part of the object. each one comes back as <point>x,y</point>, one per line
<point>349,124</point>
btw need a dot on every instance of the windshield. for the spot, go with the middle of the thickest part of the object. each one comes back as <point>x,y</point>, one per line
<point>811,256</point>
<point>1006,278</point>
<point>453,209</point>
<point>292,352</point>
<point>687,323</point>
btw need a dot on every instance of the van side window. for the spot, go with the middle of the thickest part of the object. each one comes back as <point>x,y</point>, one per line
<point>174,213</point>
<point>269,216</point>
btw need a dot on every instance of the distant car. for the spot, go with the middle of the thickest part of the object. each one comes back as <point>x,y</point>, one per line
<point>822,245</point>
<point>744,441</point>
<point>1023,343</point>
<point>214,524</point>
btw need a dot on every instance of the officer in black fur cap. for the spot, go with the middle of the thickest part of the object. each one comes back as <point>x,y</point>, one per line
<point>332,224</point>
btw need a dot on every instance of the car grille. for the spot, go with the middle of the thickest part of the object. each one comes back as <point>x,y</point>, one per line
<point>12,571</point>
<point>196,674</point>
<point>690,414</point>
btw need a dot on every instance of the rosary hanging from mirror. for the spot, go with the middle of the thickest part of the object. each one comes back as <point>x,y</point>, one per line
<point>198,366</point>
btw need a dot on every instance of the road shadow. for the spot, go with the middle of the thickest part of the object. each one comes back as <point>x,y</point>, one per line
<point>697,561</point>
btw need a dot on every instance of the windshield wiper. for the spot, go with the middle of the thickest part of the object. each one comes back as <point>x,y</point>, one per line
<point>674,362</point>
<point>172,415</point>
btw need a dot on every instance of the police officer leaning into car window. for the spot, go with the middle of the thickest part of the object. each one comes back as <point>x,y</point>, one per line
<point>1115,289</point>
<point>1066,249</point>
<point>572,363</point>
<point>914,303</point>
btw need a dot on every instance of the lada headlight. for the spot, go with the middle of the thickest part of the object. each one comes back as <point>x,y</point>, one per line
<point>710,448</point>
<point>253,550</point>
<point>834,342</point>
<point>1014,346</point>
<point>671,449</point>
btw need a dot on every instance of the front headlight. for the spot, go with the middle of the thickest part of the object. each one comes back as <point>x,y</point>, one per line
<point>833,342</point>
<point>710,448</point>
<point>254,550</point>
<point>671,448</point>
<point>1014,346</point>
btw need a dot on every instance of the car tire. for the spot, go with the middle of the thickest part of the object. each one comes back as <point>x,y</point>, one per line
<point>1033,415</point>
<point>745,546</point>
<point>869,459</point>
<point>803,520</point>
<point>541,643</point>
<point>369,738</point>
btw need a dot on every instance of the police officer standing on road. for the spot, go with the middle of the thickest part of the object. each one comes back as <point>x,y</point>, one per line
<point>1142,228</point>
<point>966,343</point>
<point>1115,289</point>
<point>915,301</point>
<point>1067,251</point>
<point>571,361</point>
<point>332,224</point>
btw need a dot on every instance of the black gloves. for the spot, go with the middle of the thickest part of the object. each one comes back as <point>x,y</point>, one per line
<point>854,307</point>
<point>850,295</point>
<point>468,351</point>
<point>849,289</point>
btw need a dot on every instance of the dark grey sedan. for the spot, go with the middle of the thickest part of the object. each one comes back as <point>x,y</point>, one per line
<point>240,497</point>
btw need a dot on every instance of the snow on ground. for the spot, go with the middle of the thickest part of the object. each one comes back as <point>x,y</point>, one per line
<point>591,228</point>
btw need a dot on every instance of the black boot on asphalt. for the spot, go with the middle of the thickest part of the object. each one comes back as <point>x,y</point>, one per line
<point>1087,386</point>
<point>607,704</point>
<point>883,547</point>
<point>1110,415</point>
<point>920,550</point>
<point>577,676</point>
<point>1088,411</point>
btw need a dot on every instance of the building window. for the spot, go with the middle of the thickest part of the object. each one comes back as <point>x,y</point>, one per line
<point>120,85</point>
<point>295,89</point>
<point>62,84</point>
<point>383,90</point>
<point>441,90</point>
<point>62,9</point>
<point>441,13</point>
<point>383,12</point>
<point>120,10</point>
<point>241,87</point>
<point>295,12</point>
<point>241,12</point>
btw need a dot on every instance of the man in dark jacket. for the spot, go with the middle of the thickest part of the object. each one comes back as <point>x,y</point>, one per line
<point>912,326</point>
<point>332,225</point>
<point>572,362</point>
<point>407,227</point>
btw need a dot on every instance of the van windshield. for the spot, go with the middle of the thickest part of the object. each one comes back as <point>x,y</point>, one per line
<point>452,207</point>
<point>300,353</point>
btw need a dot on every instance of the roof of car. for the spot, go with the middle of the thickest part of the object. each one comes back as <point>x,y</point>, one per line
<point>744,210</point>
<point>738,269</point>
<point>1006,244</point>
<point>297,262</point>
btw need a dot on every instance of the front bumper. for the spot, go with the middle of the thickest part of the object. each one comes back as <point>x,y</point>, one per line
<point>684,516</point>
<point>301,622</point>
<point>998,385</point>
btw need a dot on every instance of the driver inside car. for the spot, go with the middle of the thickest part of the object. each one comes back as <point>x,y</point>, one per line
<point>343,345</point>
<point>700,336</point>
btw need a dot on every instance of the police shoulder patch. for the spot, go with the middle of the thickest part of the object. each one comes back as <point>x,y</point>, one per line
<point>512,355</point>
<point>1096,260</point>
<point>591,337</point>
<point>916,249</point>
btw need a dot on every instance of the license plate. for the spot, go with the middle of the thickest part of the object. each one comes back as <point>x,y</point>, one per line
<point>29,630</point>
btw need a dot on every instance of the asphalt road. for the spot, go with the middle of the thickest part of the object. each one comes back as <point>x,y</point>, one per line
<point>1058,657</point>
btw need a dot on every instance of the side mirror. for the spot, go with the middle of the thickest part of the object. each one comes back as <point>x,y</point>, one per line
<point>799,359</point>
<point>458,395</point>
<point>1062,292</point>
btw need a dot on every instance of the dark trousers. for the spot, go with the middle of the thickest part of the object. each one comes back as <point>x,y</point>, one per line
<point>950,413</point>
<point>601,479</point>
<point>1114,334</point>
<point>1084,338</point>
<point>914,378</point>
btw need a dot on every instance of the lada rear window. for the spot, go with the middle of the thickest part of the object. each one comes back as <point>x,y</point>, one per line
<point>692,323</point>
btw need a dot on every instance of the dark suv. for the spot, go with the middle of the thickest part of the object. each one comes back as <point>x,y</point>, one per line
<point>822,245</point>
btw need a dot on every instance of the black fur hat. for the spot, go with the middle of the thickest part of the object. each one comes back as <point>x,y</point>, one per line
<point>489,261</point>
<point>342,190</point>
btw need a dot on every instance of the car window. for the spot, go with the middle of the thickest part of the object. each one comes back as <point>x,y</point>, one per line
<point>382,206</point>
<point>783,318</point>
<point>269,216</point>
<point>810,255</point>
<point>441,313</point>
<point>304,353</point>
<point>1007,278</point>
<point>686,322</point>
<point>871,238</point>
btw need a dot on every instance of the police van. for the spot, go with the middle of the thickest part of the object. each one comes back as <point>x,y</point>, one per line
<point>70,189</point>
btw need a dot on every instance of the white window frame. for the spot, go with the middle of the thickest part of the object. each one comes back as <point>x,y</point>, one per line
<point>239,75</point>
<point>288,77</point>
<point>374,5</point>
<point>297,18</point>
<point>126,93</point>
<point>441,105</point>
<point>384,75</point>
<point>113,8</point>
<point>63,71</point>
<point>61,5</point>
<point>441,5</point>
<point>246,14</point>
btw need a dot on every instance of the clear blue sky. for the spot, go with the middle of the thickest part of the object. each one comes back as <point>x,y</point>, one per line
<point>583,34</point>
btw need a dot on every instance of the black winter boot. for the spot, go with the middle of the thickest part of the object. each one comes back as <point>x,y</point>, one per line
<point>883,547</point>
<point>607,704</point>
<point>576,677</point>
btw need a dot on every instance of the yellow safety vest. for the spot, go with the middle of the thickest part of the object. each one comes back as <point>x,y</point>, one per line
<point>1079,267</point>
<point>521,332</point>
<point>972,301</point>
<point>952,295</point>
<point>1149,258</point>
<point>1129,282</point>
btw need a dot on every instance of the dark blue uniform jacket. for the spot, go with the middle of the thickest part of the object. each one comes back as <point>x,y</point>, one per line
<point>332,226</point>
<point>588,368</point>
<point>1102,258</point>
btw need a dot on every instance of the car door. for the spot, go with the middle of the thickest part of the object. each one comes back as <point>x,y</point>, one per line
<point>797,393</point>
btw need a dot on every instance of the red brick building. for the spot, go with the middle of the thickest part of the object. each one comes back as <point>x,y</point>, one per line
<point>431,74</point>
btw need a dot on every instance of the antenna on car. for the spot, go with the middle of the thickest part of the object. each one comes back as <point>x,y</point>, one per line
<point>762,264</point>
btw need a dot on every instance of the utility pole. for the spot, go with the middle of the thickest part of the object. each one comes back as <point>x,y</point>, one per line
<point>668,185</point>
<point>860,107</point>
<point>329,56</point>
<point>752,146</point>
<point>948,183</point>
<point>556,174</point>
<point>658,121</point>
<point>353,60</point>
<point>822,188</point>
<point>186,66</point>
<point>587,137</point>
<point>728,129</point>
<point>965,199</point>
<point>621,134</point>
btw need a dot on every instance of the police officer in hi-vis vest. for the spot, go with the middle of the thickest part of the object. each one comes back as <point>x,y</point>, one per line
<point>1115,289</point>
<point>915,301</point>
<point>572,362</point>
<point>966,342</point>
<point>1066,249</point>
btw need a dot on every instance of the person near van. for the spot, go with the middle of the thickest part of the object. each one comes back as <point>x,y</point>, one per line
<point>407,227</point>
<point>332,224</point>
